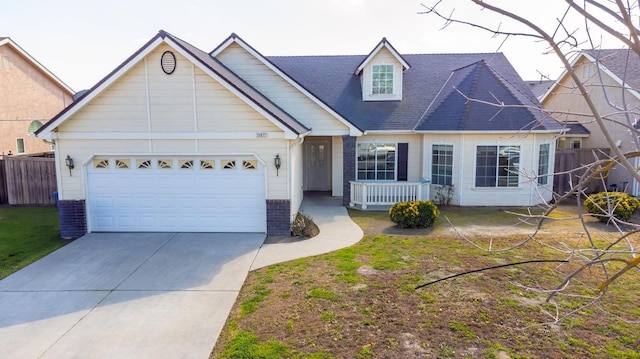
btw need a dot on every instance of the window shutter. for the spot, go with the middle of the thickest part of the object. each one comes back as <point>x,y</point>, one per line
<point>403,155</point>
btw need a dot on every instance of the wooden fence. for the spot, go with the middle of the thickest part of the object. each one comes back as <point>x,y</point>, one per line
<point>27,180</point>
<point>4,195</point>
<point>568,169</point>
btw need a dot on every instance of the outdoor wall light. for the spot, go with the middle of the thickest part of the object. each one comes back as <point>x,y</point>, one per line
<point>276,162</point>
<point>69,162</point>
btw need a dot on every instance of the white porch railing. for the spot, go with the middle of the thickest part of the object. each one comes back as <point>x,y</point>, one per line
<point>386,193</point>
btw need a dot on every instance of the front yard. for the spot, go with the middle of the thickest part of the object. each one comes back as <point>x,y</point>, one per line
<point>362,301</point>
<point>26,235</point>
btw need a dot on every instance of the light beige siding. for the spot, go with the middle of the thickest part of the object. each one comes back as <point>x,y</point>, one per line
<point>185,113</point>
<point>120,108</point>
<point>297,169</point>
<point>281,92</point>
<point>566,103</point>
<point>71,186</point>
<point>464,171</point>
<point>384,57</point>
<point>414,169</point>
<point>218,110</point>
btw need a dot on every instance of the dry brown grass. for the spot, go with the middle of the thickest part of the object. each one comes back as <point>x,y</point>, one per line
<point>361,302</point>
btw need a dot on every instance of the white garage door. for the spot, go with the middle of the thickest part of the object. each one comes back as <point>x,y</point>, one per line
<point>176,194</point>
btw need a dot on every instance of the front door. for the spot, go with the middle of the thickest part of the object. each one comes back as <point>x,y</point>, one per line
<point>317,168</point>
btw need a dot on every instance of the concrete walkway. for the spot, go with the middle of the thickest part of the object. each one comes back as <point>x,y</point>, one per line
<point>337,230</point>
<point>145,295</point>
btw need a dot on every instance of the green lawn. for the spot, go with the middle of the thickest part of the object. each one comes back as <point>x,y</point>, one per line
<point>26,235</point>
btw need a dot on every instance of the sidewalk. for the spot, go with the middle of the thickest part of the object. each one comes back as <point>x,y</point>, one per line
<point>337,230</point>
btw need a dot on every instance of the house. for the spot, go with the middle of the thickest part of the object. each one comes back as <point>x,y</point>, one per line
<point>29,96</point>
<point>612,77</point>
<point>178,139</point>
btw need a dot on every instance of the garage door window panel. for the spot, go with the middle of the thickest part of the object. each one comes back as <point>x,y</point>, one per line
<point>207,164</point>
<point>250,165</point>
<point>123,164</point>
<point>165,164</point>
<point>229,164</point>
<point>185,164</point>
<point>101,164</point>
<point>143,164</point>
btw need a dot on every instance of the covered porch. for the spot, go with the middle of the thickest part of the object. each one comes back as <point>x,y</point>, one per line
<point>377,193</point>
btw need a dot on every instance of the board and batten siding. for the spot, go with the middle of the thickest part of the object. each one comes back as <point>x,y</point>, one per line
<point>281,92</point>
<point>146,112</point>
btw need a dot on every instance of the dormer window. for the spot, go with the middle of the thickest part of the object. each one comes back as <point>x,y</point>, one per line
<point>381,74</point>
<point>382,79</point>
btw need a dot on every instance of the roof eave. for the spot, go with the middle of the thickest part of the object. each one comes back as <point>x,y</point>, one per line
<point>45,130</point>
<point>234,38</point>
<point>383,43</point>
<point>42,68</point>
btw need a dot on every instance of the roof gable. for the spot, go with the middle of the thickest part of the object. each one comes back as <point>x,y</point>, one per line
<point>333,80</point>
<point>237,40</point>
<point>621,65</point>
<point>206,63</point>
<point>6,41</point>
<point>469,102</point>
<point>383,44</point>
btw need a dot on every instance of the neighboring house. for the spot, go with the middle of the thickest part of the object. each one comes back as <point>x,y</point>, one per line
<point>29,96</point>
<point>178,139</point>
<point>612,78</point>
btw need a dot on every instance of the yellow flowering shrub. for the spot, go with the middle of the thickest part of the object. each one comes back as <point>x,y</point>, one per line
<point>603,205</point>
<point>414,214</point>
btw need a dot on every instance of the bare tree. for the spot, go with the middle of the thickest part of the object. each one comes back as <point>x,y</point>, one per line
<point>586,262</point>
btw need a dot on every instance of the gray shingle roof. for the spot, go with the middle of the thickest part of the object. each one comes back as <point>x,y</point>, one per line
<point>575,128</point>
<point>624,63</point>
<point>540,87</point>
<point>332,79</point>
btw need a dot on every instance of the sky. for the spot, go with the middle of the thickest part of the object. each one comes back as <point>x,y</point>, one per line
<point>81,41</point>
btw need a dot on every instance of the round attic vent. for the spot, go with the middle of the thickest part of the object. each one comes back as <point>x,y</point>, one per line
<point>168,62</point>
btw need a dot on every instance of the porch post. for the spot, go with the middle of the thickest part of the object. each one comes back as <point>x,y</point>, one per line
<point>348,167</point>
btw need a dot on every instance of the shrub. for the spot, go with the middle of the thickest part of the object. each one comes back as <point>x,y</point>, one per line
<point>303,226</point>
<point>414,214</point>
<point>603,205</point>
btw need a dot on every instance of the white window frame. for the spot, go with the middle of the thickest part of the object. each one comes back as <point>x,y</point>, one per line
<point>393,80</point>
<point>543,175</point>
<point>24,146</point>
<point>497,167</point>
<point>573,141</point>
<point>452,163</point>
<point>375,170</point>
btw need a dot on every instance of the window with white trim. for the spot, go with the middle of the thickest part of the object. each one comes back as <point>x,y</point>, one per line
<point>382,79</point>
<point>376,161</point>
<point>497,166</point>
<point>20,146</point>
<point>543,163</point>
<point>442,165</point>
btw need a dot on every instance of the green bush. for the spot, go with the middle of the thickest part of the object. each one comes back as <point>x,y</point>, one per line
<point>414,214</point>
<point>604,204</point>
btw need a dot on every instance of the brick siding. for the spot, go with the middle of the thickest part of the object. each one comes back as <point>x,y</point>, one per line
<point>278,217</point>
<point>73,219</point>
<point>348,167</point>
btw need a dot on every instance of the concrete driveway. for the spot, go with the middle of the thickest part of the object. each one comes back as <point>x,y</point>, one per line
<point>129,295</point>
